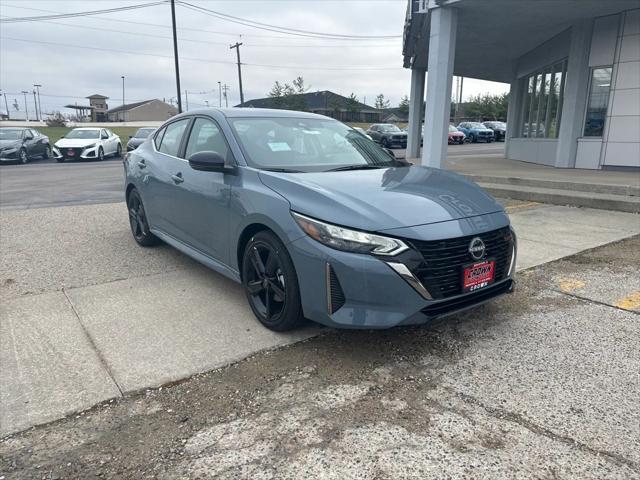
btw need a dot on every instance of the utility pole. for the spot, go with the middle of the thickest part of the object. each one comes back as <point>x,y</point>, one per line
<point>219,94</point>
<point>26,109</point>
<point>186,100</point>
<point>6,105</point>
<point>237,47</point>
<point>225,87</point>
<point>37,85</point>
<point>35,105</point>
<point>175,53</point>
<point>123,110</point>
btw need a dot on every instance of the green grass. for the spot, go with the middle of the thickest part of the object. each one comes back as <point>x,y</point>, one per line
<point>55,133</point>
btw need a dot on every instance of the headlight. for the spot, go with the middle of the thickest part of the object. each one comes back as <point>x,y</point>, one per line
<point>93,145</point>
<point>348,240</point>
<point>8,150</point>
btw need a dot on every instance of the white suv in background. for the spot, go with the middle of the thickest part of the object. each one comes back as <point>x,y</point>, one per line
<point>87,144</point>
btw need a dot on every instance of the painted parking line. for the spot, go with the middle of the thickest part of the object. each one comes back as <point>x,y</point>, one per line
<point>630,302</point>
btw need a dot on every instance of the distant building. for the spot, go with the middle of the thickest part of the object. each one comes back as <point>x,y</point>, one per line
<point>395,115</point>
<point>148,110</point>
<point>324,103</point>
<point>98,106</point>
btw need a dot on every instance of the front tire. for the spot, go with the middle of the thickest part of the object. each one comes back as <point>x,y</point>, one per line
<point>138,221</point>
<point>47,152</point>
<point>119,151</point>
<point>23,157</point>
<point>270,282</point>
<point>100,154</point>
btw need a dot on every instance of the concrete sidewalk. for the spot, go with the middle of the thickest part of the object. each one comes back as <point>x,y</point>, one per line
<point>88,316</point>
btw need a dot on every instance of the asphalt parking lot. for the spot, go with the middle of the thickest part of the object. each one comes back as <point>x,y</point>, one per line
<point>541,384</point>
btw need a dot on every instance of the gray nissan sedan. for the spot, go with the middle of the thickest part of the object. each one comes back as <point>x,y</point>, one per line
<point>316,221</point>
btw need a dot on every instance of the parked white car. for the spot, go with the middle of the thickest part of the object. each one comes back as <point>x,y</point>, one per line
<point>87,144</point>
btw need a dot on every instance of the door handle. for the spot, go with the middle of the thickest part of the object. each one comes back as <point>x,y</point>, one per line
<point>141,164</point>
<point>177,178</point>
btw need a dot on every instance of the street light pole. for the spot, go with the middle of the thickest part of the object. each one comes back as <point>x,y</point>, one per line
<point>220,94</point>
<point>35,105</point>
<point>175,53</point>
<point>37,85</point>
<point>6,105</point>
<point>26,108</point>
<point>123,110</point>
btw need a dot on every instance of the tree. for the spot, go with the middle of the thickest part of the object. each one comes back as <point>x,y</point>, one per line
<point>487,107</point>
<point>352,106</point>
<point>381,102</point>
<point>403,106</point>
<point>299,86</point>
<point>277,90</point>
<point>289,95</point>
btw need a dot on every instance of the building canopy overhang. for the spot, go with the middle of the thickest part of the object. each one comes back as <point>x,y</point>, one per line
<point>493,34</point>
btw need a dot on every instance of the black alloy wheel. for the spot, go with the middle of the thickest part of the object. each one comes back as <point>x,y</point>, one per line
<point>385,143</point>
<point>138,221</point>
<point>100,154</point>
<point>271,283</point>
<point>22,156</point>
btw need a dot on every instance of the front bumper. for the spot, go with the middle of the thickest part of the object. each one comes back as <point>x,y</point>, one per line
<point>9,156</point>
<point>78,153</point>
<point>348,290</point>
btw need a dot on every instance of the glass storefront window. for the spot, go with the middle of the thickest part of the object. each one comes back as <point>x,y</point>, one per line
<point>598,101</point>
<point>542,102</point>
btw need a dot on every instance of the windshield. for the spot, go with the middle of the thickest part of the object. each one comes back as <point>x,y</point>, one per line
<point>389,128</point>
<point>143,132</point>
<point>10,134</point>
<point>306,145</point>
<point>83,134</point>
<point>453,129</point>
<point>476,125</point>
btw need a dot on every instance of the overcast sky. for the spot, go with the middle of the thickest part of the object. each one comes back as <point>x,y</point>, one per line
<point>48,53</point>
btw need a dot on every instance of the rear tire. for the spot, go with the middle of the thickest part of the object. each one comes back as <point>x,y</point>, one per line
<point>138,221</point>
<point>270,282</point>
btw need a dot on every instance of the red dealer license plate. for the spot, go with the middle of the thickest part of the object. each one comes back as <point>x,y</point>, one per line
<point>478,275</point>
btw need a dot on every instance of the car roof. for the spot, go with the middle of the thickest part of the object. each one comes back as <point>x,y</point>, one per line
<point>255,112</point>
<point>88,128</point>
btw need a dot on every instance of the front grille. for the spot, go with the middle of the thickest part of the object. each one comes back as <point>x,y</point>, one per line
<point>335,295</point>
<point>77,152</point>
<point>468,300</point>
<point>399,137</point>
<point>441,270</point>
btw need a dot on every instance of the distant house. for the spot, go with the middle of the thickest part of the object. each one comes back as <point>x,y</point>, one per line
<point>97,107</point>
<point>395,115</point>
<point>148,110</point>
<point>324,103</point>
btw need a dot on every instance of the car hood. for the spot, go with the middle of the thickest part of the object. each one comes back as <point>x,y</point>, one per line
<point>75,142</point>
<point>10,143</point>
<point>382,199</point>
<point>395,133</point>
<point>457,134</point>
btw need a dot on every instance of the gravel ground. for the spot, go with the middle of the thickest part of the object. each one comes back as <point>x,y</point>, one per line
<point>540,384</point>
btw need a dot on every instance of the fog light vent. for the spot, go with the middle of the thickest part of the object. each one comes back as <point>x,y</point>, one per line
<point>335,295</point>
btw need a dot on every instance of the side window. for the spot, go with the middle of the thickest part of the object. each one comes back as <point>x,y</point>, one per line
<point>172,137</point>
<point>206,136</point>
<point>158,138</point>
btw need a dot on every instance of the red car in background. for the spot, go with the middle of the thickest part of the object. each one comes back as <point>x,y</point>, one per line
<point>455,136</point>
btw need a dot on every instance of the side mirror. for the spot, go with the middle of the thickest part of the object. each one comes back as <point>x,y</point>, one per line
<point>104,137</point>
<point>208,161</point>
<point>130,137</point>
<point>28,137</point>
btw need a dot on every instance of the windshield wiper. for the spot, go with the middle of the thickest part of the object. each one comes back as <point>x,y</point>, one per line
<point>281,170</point>
<point>365,166</point>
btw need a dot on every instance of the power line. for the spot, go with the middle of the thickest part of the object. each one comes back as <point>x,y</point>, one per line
<point>276,28</point>
<point>190,29</point>
<point>203,60</point>
<point>191,40</point>
<point>80,14</point>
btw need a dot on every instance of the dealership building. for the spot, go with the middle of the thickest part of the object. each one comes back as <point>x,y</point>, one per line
<point>573,69</point>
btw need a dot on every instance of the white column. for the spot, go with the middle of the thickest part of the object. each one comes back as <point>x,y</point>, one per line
<point>513,114</point>
<point>415,113</point>
<point>442,47</point>
<point>575,94</point>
